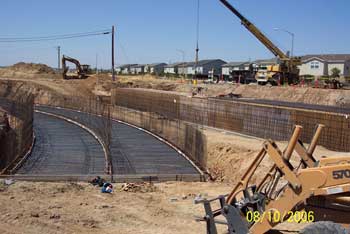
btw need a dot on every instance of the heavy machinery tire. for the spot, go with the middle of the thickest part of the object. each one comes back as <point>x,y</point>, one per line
<point>324,227</point>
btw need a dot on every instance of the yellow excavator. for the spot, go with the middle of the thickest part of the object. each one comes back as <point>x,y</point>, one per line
<point>81,69</point>
<point>314,192</point>
<point>286,70</point>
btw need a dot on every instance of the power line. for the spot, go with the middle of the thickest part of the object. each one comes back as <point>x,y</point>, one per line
<point>53,37</point>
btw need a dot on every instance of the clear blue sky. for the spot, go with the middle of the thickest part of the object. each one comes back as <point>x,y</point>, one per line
<point>152,30</point>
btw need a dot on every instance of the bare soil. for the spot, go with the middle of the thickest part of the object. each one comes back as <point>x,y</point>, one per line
<point>230,154</point>
<point>26,69</point>
<point>31,208</point>
<point>81,208</point>
<point>340,97</point>
<point>102,84</point>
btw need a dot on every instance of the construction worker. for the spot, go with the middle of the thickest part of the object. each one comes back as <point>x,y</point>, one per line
<point>107,188</point>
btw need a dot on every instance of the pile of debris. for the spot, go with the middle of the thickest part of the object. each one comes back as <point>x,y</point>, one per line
<point>216,173</point>
<point>143,187</point>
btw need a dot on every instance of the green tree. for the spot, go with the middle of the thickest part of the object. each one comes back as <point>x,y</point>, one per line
<point>335,72</point>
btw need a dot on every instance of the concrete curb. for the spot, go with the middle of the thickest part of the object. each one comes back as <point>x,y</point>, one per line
<point>116,178</point>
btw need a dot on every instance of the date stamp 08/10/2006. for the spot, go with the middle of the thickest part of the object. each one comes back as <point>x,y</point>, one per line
<point>277,217</point>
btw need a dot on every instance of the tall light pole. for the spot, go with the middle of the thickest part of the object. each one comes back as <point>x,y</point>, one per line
<point>183,62</point>
<point>292,35</point>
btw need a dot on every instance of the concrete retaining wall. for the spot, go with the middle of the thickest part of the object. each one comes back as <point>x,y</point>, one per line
<point>184,136</point>
<point>18,138</point>
<point>260,120</point>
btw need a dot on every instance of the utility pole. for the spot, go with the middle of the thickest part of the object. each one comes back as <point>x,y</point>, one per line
<point>197,46</point>
<point>113,72</point>
<point>96,64</point>
<point>196,62</point>
<point>59,57</point>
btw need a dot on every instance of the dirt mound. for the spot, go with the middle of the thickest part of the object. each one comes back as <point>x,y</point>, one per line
<point>29,71</point>
<point>32,68</point>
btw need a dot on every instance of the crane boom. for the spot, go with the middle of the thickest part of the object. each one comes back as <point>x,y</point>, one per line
<point>256,32</point>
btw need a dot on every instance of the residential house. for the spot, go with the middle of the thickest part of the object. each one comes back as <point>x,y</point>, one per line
<point>228,68</point>
<point>186,68</point>
<point>137,69</point>
<point>205,68</point>
<point>124,69</point>
<point>242,72</point>
<point>172,68</point>
<point>155,68</point>
<point>322,64</point>
<point>118,69</point>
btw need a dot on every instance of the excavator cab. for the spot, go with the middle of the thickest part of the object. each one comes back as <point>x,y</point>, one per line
<point>85,68</point>
<point>81,70</point>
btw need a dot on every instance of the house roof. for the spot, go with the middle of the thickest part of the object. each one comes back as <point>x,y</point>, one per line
<point>190,64</point>
<point>175,64</point>
<point>157,64</point>
<point>126,65</point>
<point>235,64</point>
<point>137,65</point>
<point>202,62</point>
<point>266,61</point>
<point>206,61</point>
<point>327,57</point>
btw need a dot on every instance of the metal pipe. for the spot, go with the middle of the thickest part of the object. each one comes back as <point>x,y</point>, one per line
<point>312,146</point>
<point>292,142</point>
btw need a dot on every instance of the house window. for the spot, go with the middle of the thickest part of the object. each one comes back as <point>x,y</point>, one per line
<point>315,65</point>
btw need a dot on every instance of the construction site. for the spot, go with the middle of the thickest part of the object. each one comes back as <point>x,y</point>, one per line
<point>261,149</point>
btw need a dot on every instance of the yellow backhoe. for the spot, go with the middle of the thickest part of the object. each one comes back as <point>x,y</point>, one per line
<point>312,191</point>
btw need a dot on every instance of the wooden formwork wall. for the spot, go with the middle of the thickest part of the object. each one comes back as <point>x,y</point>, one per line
<point>265,121</point>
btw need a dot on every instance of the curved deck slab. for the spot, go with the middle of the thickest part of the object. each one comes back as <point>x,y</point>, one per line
<point>135,152</point>
<point>63,148</point>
